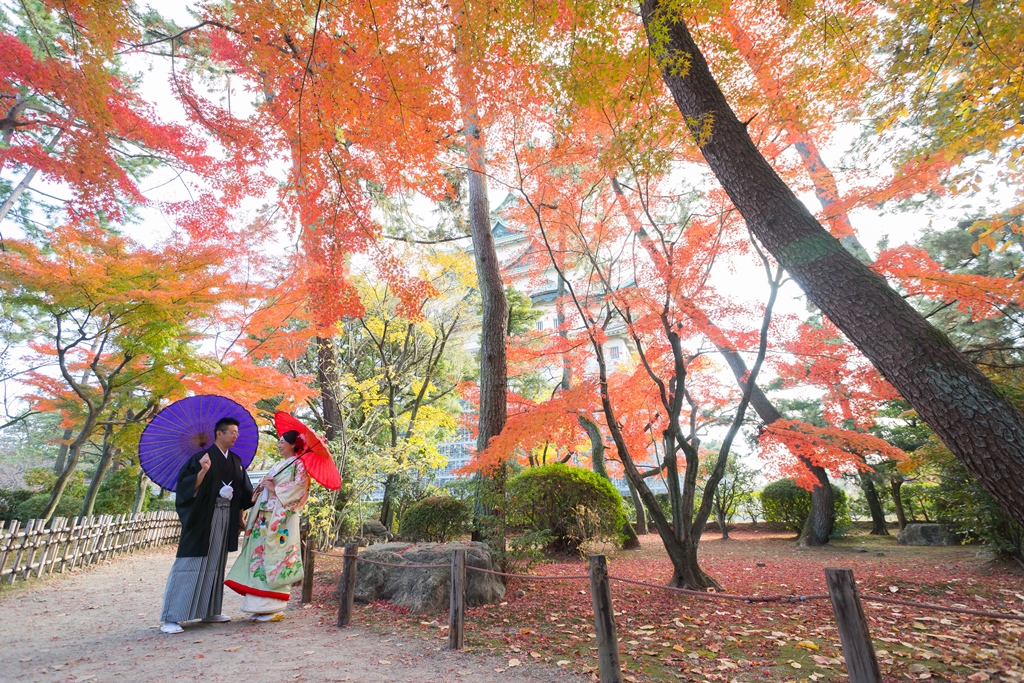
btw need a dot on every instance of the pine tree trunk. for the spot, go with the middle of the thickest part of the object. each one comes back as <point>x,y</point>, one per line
<point>327,378</point>
<point>867,485</point>
<point>387,508</point>
<point>978,425</point>
<point>897,500</point>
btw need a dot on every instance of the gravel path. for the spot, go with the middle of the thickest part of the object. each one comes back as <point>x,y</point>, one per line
<point>100,625</point>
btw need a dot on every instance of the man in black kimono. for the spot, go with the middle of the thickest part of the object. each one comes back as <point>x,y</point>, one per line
<point>212,491</point>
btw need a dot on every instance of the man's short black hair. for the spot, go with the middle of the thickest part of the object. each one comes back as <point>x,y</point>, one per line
<point>224,423</point>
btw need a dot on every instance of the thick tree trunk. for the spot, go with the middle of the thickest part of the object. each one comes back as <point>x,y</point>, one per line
<point>821,521</point>
<point>896,485</point>
<point>494,318</point>
<point>867,485</point>
<point>977,424</point>
<point>387,508</point>
<point>327,378</point>
<point>686,571</point>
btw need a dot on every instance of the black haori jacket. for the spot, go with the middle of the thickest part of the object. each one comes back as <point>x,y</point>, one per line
<point>195,506</point>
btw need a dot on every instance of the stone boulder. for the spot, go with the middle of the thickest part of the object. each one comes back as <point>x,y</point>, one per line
<point>425,591</point>
<point>924,534</point>
<point>373,531</point>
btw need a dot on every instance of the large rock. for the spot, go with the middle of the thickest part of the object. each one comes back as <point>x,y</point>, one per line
<point>375,529</point>
<point>425,591</point>
<point>924,534</point>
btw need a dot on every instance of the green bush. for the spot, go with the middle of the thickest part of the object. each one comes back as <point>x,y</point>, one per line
<point>967,510</point>
<point>117,492</point>
<point>437,518</point>
<point>569,504</point>
<point>919,501</point>
<point>42,480</point>
<point>32,508</point>
<point>786,503</point>
<point>10,499</point>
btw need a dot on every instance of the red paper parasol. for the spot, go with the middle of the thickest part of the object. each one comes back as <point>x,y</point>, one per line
<point>316,457</point>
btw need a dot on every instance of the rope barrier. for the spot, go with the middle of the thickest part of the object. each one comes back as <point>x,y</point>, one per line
<point>724,596</point>
<point>386,564</point>
<point>702,594</point>
<point>943,608</point>
<point>536,577</point>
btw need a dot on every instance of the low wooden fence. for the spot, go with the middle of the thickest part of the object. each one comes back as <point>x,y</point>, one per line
<point>35,549</point>
<point>854,636</point>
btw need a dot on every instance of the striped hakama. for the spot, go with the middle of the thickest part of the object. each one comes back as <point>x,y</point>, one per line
<point>195,587</point>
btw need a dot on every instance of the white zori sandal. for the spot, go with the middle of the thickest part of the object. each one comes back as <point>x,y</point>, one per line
<point>262,618</point>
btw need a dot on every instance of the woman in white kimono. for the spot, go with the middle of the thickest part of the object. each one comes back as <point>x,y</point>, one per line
<point>270,561</point>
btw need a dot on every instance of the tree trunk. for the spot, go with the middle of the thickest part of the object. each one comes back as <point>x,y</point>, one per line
<point>867,485</point>
<point>387,507</point>
<point>62,452</point>
<point>494,306</point>
<point>629,540</point>
<point>896,485</point>
<point>686,571</point>
<point>327,378</point>
<point>977,424</point>
<point>641,511</point>
<point>821,521</point>
<point>494,318</point>
<point>822,518</point>
<point>106,458</point>
<point>141,488</point>
<point>720,518</point>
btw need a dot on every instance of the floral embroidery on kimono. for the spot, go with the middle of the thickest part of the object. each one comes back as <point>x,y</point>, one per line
<point>270,559</point>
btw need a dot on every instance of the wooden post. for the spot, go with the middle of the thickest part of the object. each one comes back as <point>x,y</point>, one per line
<point>347,585</point>
<point>307,571</point>
<point>861,663</point>
<point>25,536</point>
<point>604,621</point>
<point>457,604</point>
<point>7,537</point>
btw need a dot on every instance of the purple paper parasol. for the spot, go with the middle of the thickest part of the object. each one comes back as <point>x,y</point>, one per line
<point>184,428</point>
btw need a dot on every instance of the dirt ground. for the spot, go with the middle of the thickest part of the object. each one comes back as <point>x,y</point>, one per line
<point>101,625</point>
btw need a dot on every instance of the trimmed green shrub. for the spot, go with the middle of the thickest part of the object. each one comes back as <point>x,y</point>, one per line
<point>437,518</point>
<point>571,505</point>
<point>786,503</point>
